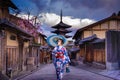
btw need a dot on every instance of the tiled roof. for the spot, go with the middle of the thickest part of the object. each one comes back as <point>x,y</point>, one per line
<point>113,17</point>
<point>10,25</point>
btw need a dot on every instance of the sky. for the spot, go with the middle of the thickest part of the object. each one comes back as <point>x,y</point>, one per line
<point>77,13</point>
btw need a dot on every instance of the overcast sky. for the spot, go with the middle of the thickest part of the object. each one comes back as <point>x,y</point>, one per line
<point>77,13</point>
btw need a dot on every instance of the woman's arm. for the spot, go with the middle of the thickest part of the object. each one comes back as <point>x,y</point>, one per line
<point>53,55</point>
<point>66,55</point>
<point>54,51</point>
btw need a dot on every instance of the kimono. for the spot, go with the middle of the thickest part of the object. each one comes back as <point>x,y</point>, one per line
<point>60,59</point>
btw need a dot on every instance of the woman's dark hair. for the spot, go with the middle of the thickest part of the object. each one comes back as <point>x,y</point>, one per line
<point>61,40</point>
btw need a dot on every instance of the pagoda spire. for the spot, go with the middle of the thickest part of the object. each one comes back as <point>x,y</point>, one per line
<point>61,16</point>
<point>61,28</point>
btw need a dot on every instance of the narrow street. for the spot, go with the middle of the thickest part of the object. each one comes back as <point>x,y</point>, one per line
<point>48,73</point>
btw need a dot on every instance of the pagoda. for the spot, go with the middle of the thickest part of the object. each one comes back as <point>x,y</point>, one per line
<point>61,28</point>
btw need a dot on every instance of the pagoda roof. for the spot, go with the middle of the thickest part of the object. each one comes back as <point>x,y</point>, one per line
<point>8,3</point>
<point>61,25</point>
<point>61,31</point>
<point>67,36</point>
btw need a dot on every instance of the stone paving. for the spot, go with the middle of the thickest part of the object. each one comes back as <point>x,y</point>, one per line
<point>48,73</point>
<point>115,74</point>
<point>111,73</point>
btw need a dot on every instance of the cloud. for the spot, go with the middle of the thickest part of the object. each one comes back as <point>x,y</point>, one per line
<point>80,8</point>
<point>52,19</point>
<point>93,9</point>
<point>41,4</point>
<point>77,13</point>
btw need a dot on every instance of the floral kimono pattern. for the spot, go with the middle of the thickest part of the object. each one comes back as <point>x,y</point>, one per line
<point>60,59</point>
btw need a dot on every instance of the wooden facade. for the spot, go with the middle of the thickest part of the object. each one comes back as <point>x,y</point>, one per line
<point>99,52</point>
<point>19,46</point>
<point>89,51</point>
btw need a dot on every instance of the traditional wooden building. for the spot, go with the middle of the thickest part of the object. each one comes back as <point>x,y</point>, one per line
<point>36,50</point>
<point>19,48</point>
<point>72,50</point>
<point>92,39</point>
<point>44,49</point>
<point>42,39</point>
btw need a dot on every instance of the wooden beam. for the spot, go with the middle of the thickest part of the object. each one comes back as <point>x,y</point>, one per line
<point>117,24</point>
<point>108,25</point>
<point>100,27</point>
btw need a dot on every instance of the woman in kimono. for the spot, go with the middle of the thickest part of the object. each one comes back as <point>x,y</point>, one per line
<point>60,59</point>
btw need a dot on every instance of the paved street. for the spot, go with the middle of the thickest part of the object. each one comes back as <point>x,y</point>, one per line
<point>48,73</point>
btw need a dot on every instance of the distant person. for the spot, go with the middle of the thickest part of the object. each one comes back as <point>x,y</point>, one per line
<point>60,59</point>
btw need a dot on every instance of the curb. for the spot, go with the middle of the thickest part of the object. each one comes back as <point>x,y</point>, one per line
<point>29,73</point>
<point>97,73</point>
